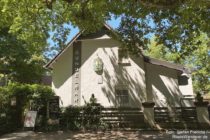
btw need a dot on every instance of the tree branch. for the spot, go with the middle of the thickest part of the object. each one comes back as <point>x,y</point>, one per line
<point>162,4</point>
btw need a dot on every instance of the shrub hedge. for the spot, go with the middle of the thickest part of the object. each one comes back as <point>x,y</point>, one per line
<point>83,117</point>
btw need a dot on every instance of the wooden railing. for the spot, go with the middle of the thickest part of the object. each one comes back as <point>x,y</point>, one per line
<point>123,117</point>
<point>161,114</point>
<point>115,117</point>
<point>177,117</point>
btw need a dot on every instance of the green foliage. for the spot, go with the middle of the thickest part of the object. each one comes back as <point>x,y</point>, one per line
<point>88,116</point>
<point>131,35</point>
<point>28,91</point>
<point>199,61</point>
<point>173,21</point>
<point>71,118</point>
<point>22,41</point>
<point>23,93</point>
<point>4,96</point>
<point>199,98</point>
<point>25,26</point>
<point>91,113</point>
<point>156,50</point>
<point>18,61</point>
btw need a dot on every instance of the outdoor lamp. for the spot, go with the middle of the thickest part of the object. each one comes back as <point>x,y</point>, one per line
<point>98,65</point>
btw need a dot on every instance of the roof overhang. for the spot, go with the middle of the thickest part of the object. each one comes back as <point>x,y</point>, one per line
<point>158,62</point>
<point>49,64</point>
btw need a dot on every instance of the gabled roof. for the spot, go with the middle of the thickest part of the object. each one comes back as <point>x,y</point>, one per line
<point>147,59</point>
<point>77,36</point>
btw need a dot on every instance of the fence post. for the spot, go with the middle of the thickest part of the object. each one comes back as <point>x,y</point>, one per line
<point>202,113</point>
<point>148,110</point>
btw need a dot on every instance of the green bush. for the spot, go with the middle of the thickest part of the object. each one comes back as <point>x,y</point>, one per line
<point>23,93</point>
<point>87,116</point>
<point>92,115</point>
<point>71,118</point>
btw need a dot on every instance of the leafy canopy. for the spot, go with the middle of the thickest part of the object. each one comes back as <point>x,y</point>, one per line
<point>175,22</point>
<point>25,25</point>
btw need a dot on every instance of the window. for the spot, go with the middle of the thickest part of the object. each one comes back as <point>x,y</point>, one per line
<point>183,80</point>
<point>122,97</point>
<point>123,57</point>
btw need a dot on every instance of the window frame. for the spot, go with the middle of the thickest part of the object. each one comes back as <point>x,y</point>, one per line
<point>121,95</point>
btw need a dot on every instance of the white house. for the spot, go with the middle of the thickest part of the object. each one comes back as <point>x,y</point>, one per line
<point>95,64</point>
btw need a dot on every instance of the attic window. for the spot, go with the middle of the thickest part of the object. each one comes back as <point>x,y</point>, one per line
<point>123,56</point>
<point>183,80</point>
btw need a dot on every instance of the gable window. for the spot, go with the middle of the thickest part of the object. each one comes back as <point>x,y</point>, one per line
<point>122,97</point>
<point>123,57</point>
<point>183,80</point>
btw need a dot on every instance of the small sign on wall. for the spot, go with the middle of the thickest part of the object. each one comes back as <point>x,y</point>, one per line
<point>100,79</point>
<point>30,119</point>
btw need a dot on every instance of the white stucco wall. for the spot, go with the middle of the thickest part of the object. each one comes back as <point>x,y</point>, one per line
<point>114,75</point>
<point>62,77</point>
<point>187,89</point>
<point>188,97</point>
<point>162,85</point>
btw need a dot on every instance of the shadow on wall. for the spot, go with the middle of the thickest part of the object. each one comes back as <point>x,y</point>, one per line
<point>167,85</point>
<point>122,77</point>
<point>62,70</point>
<point>65,69</point>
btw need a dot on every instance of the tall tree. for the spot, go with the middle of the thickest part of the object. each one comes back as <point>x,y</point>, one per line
<point>199,61</point>
<point>18,61</point>
<point>22,41</point>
